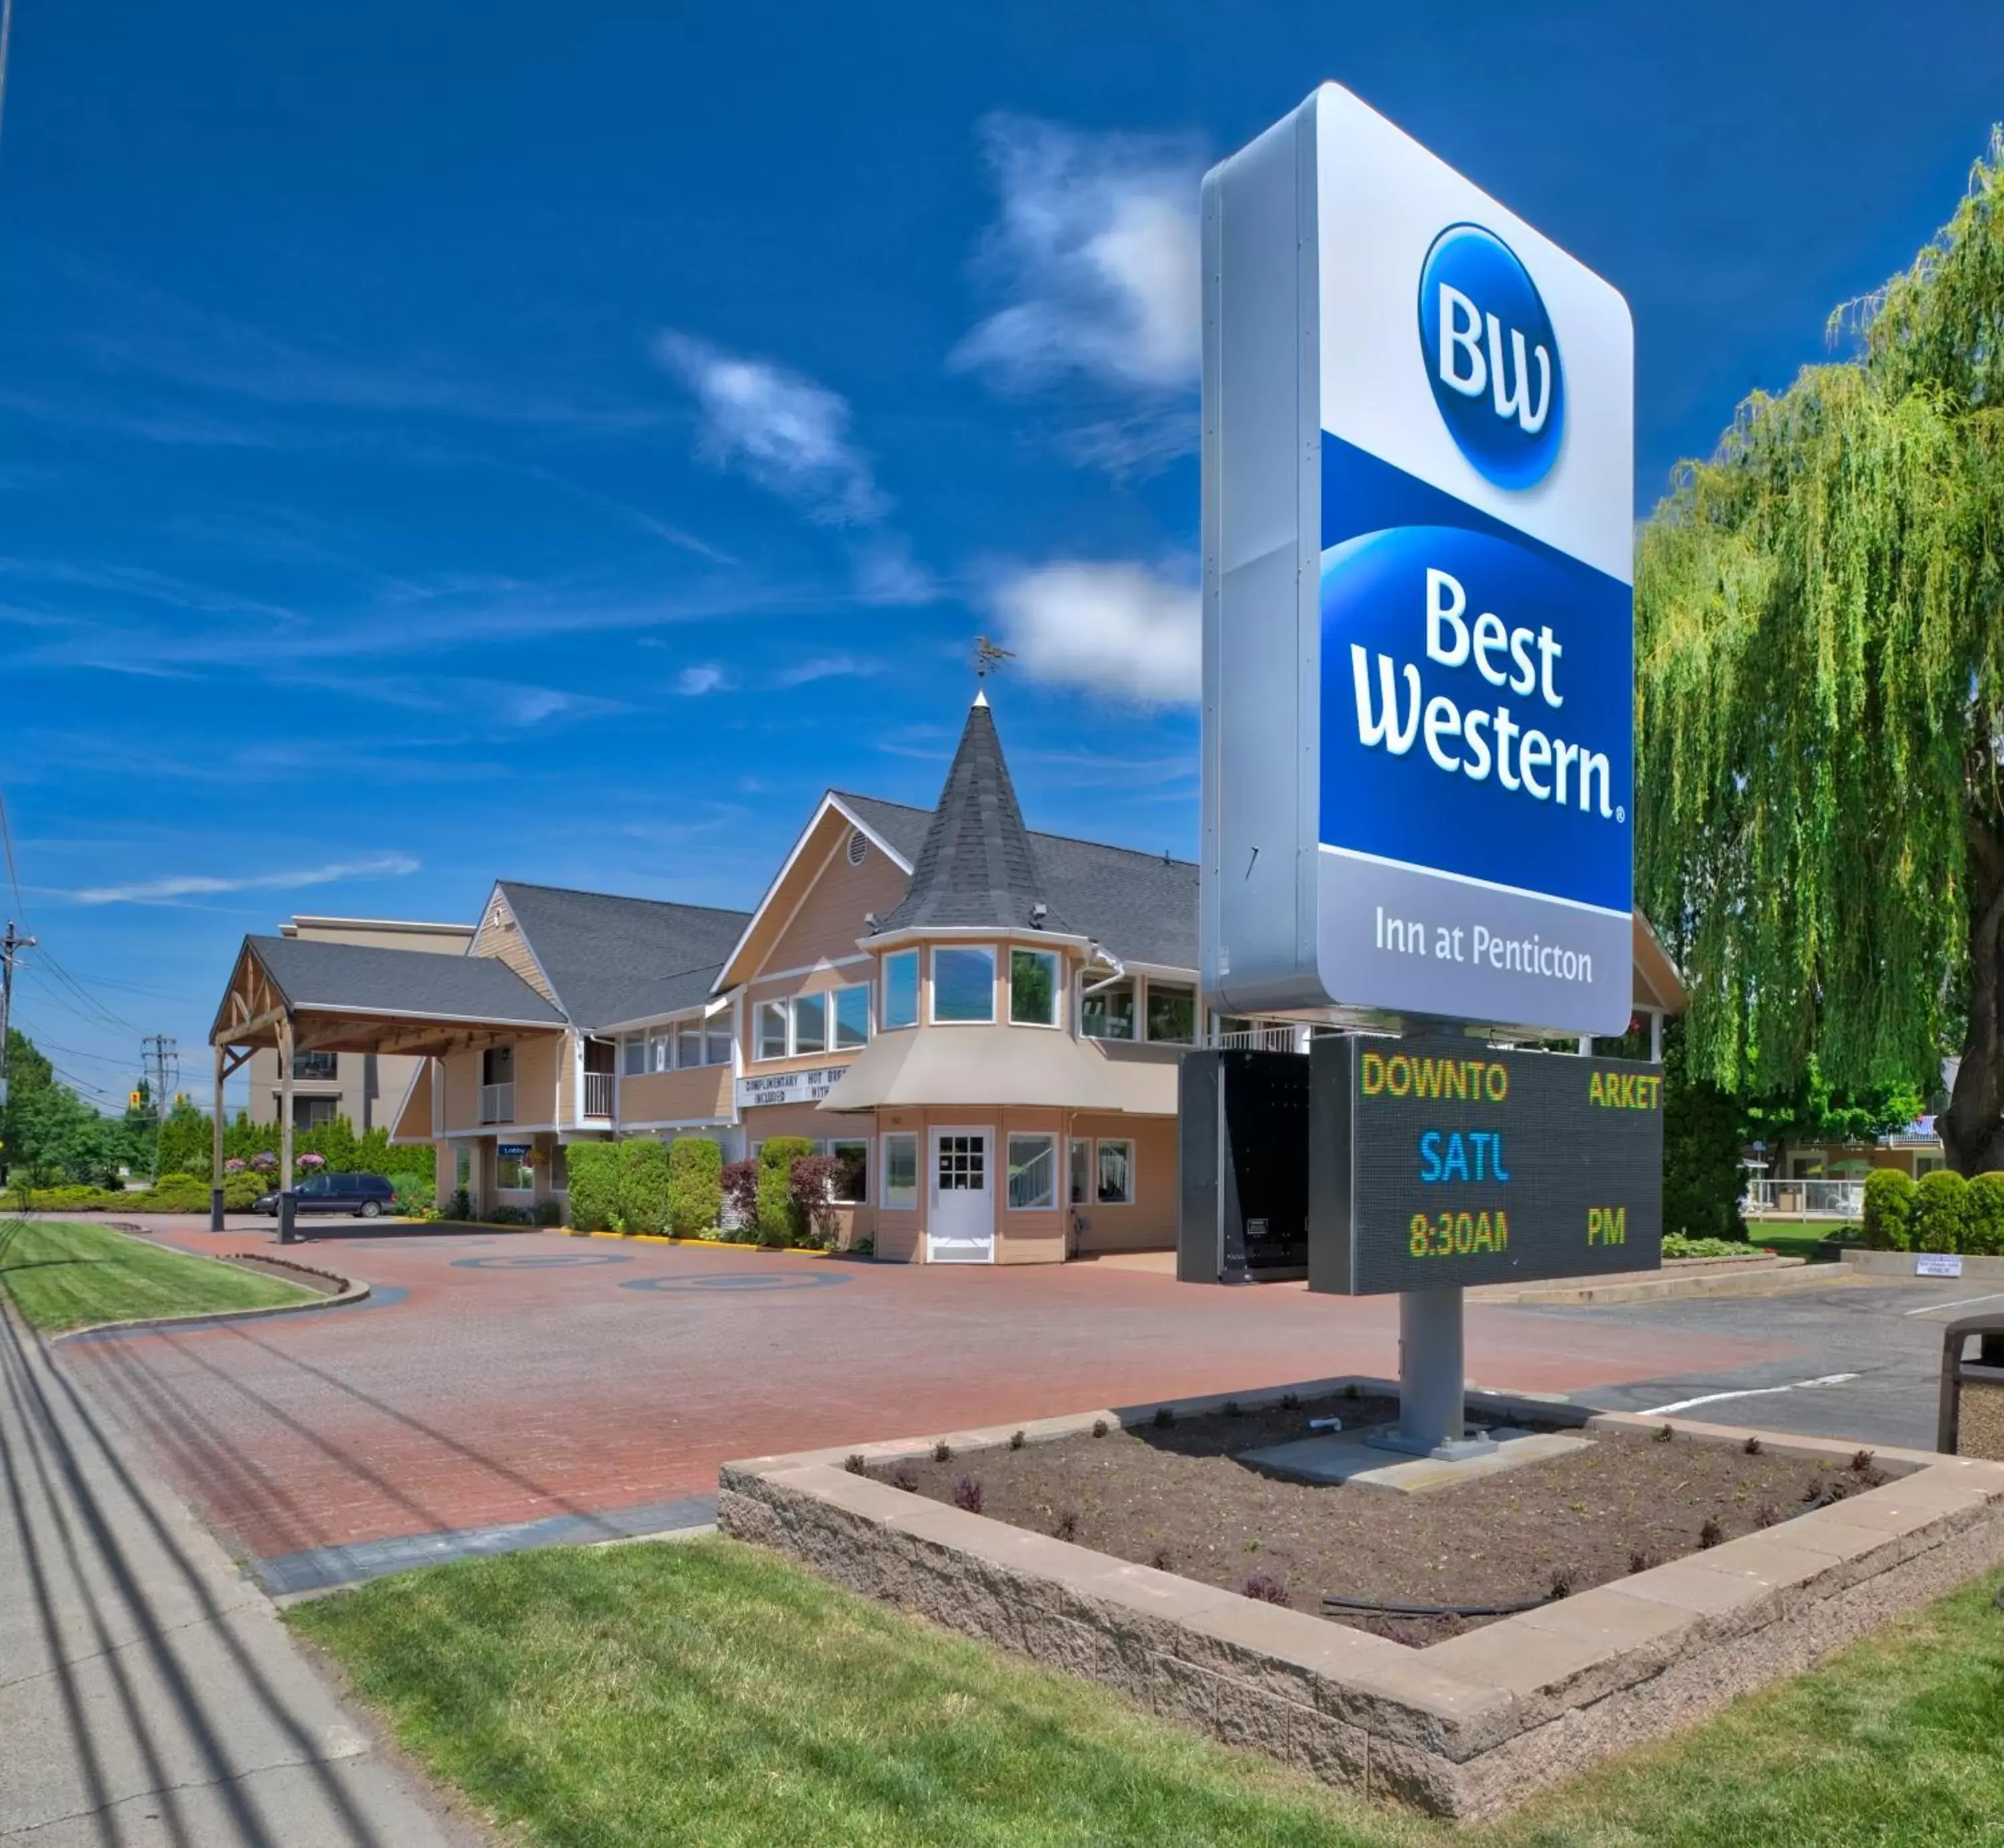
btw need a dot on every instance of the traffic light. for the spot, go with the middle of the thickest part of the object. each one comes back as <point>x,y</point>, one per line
<point>133,1099</point>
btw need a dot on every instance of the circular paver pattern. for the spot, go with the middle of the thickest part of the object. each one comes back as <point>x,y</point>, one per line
<point>543,1261</point>
<point>739,1280</point>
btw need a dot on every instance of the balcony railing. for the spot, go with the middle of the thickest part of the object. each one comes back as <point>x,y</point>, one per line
<point>1804,1200</point>
<point>598,1093</point>
<point>1277,1036</point>
<point>497,1103</point>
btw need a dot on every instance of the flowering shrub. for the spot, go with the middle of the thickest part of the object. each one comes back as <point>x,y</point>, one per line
<point>312,1163</point>
<point>233,1167</point>
<point>265,1163</point>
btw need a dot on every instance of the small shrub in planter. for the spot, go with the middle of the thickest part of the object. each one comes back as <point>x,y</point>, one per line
<point>459,1206</point>
<point>1266,1590</point>
<point>312,1164</point>
<point>1889,1209</point>
<point>811,1218</point>
<point>510,1215</point>
<point>593,1171</point>
<point>1941,1212</point>
<point>967,1495</point>
<point>644,1185</point>
<point>740,1182</point>
<point>696,1186</point>
<point>777,1211</point>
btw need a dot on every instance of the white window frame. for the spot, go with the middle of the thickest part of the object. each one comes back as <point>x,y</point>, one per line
<point>1101,1144</point>
<point>835,1042</point>
<point>1050,1140</point>
<point>1143,990</point>
<point>1057,962</point>
<point>917,962</point>
<point>784,1004</point>
<point>795,1003</point>
<point>866,1144</point>
<point>901,1200</point>
<point>986,949</point>
<point>633,1055</point>
<point>716,1045</point>
<point>1134,985</point>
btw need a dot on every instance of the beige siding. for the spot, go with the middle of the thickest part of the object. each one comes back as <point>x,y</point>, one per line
<point>1150,1223</point>
<point>537,1063</point>
<point>499,935</point>
<point>830,917</point>
<point>694,1096</point>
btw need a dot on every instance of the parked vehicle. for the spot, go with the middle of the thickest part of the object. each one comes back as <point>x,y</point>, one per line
<point>371,1195</point>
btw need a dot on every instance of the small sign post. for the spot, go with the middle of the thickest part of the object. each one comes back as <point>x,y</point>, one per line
<point>1418,677</point>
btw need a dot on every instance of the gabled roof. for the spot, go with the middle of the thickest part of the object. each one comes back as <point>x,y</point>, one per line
<point>353,978</point>
<point>612,960</point>
<point>975,866</point>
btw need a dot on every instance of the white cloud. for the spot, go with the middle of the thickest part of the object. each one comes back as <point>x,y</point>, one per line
<point>788,433</point>
<point>1097,249</point>
<point>884,572</point>
<point>707,678</point>
<point>1119,629</point>
<point>202,885</point>
<point>827,667</point>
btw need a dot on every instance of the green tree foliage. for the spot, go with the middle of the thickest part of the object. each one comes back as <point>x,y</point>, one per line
<point>50,1136</point>
<point>1820,649</point>
<point>186,1145</point>
<point>643,1184</point>
<point>592,1170</point>
<point>1889,1209</point>
<point>1813,1112</point>
<point>781,1219</point>
<point>1703,1133</point>
<point>696,1186</point>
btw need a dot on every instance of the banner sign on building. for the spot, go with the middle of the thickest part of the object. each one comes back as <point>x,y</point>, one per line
<point>1442,1162</point>
<point>1418,760</point>
<point>788,1087</point>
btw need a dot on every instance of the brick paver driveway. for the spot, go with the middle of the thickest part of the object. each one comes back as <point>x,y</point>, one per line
<point>498,1379</point>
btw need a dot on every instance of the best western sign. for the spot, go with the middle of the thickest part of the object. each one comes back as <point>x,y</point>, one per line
<point>1417,659</point>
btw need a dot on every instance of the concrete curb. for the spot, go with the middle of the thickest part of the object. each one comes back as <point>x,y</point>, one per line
<point>1743,1279</point>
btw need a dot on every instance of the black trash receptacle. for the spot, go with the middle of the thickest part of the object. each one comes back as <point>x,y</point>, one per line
<point>1972,1389</point>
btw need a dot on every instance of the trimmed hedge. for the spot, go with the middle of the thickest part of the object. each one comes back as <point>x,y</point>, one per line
<point>696,1186</point>
<point>171,1193</point>
<point>594,1171</point>
<point>643,1184</point>
<point>1889,1209</point>
<point>781,1220</point>
<point>1941,1212</point>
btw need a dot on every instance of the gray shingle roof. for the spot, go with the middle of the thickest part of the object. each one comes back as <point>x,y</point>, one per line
<point>976,865</point>
<point>358,978</point>
<point>616,960</point>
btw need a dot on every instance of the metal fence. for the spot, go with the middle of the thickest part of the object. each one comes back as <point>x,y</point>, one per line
<point>1804,1200</point>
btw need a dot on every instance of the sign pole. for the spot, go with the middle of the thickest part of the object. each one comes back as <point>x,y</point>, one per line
<point>1432,1379</point>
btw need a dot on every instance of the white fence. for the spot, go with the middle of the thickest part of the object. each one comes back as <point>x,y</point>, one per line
<point>1279,1036</point>
<point>598,1093</point>
<point>1804,1200</point>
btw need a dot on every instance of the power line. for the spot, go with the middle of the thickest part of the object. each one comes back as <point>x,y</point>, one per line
<point>7,833</point>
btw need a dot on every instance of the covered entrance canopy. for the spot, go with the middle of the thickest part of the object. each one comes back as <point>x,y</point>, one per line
<point>296,995</point>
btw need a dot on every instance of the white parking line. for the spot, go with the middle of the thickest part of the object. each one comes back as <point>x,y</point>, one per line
<point>1928,1309</point>
<point>1748,1392</point>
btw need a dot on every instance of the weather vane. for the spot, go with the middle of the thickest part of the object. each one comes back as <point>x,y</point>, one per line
<point>988,656</point>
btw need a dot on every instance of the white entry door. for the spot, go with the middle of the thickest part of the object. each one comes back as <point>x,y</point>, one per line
<point>960,1226</point>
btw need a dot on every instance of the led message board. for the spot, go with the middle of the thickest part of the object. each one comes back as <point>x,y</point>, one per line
<point>1440,1163</point>
<point>1418,515</point>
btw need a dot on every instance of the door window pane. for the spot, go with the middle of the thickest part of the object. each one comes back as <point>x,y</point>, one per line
<point>901,989</point>
<point>964,982</point>
<point>901,1171</point>
<point>1171,1013</point>
<point>1033,1163</point>
<point>963,1164</point>
<point>1081,1174</point>
<point>851,1173</point>
<point>1108,1014</point>
<point>1033,987</point>
<point>810,1023</point>
<point>772,1029</point>
<point>1116,1173</point>
<point>852,1017</point>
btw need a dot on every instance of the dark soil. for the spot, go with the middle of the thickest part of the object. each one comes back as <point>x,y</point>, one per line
<point>1174,1497</point>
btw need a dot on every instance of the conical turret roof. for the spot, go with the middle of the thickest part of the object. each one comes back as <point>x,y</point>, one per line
<point>976,866</point>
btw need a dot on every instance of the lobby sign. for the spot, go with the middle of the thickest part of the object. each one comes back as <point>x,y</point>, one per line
<point>788,1087</point>
<point>1418,673</point>
<point>1439,1161</point>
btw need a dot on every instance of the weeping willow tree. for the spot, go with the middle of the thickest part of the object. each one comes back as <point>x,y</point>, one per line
<point>1819,657</point>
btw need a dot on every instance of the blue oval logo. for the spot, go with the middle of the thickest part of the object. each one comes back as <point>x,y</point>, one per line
<point>1490,356</point>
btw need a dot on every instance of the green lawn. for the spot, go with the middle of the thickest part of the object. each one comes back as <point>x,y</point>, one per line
<point>703,1692</point>
<point>1799,1238</point>
<point>71,1274</point>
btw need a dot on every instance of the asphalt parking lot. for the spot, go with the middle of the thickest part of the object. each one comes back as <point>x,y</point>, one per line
<point>500,1388</point>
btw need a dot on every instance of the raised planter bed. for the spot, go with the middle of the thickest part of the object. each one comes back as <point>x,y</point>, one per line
<point>1464,1728</point>
<point>1906,1263</point>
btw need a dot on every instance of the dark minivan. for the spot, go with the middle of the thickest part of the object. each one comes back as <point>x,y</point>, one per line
<point>371,1195</point>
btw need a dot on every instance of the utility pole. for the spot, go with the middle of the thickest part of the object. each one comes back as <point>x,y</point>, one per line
<point>159,1048</point>
<point>11,943</point>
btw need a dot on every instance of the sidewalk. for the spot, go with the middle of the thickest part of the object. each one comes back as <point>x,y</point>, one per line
<point>148,1693</point>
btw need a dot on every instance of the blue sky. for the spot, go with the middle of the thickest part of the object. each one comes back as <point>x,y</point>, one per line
<point>439,443</point>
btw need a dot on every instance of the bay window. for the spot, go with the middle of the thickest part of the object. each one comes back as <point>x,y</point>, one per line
<point>851,1184</point>
<point>963,983</point>
<point>901,989</point>
<point>1033,1164</point>
<point>1116,1173</point>
<point>1033,987</point>
<point>1081,1157</point>
<point>901,1171</point>
<point>851,1018</point>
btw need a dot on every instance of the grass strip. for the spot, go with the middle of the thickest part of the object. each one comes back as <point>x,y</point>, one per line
<point>68,1274</point>
<point>706,1692</point>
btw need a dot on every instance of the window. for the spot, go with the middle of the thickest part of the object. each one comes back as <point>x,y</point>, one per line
<point>901,989</point>
<point>716,1046</point>
<point>963,983</point>
<point>513,1173</point>
<point>772,1029</point>
<point>633,1054</point>
<point>688,1046</point>
<point>811,1023</point>
<point>1081,1174</point>
<point>1033,987</point>
<point>316,1065</point>
<point>1107,1012</point>
<point>851,1018</point>
<point>901,1172</point>
<point>661,1049</point>
<point>1033,1171</point>
<point>1171,1013</point>
<point>1116,1173</point>
<point>497,1065</point>
<point>313,1113</point>
<point>462,1167</point>
<point>851,1186</point>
